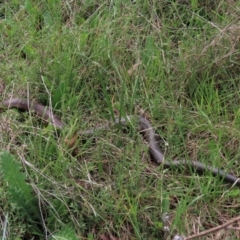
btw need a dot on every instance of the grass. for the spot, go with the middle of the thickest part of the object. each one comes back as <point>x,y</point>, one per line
<point>175,61</point>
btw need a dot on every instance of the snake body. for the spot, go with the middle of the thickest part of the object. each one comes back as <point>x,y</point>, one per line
<point>145,129</point>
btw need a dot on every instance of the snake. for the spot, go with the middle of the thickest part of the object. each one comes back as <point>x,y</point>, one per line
<point>145,128</point>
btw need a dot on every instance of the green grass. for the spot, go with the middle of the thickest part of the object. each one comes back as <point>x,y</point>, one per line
<point>175,61</point>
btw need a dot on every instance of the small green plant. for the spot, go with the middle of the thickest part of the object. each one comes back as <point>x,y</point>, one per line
<point>20,193</point>
<point>66,233</point>
<point>22,197</point>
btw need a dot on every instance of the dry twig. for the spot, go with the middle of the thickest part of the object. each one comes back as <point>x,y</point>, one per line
<point>214,229</point>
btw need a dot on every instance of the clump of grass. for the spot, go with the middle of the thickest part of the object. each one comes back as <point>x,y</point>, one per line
<point>176,61</point>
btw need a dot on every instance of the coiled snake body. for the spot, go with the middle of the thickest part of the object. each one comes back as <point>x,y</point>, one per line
<point>145,129</point>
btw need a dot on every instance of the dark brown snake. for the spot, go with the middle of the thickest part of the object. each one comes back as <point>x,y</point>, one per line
<point>145,129</point>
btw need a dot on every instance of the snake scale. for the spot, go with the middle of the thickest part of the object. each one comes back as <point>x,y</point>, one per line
<point>145,128</point>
